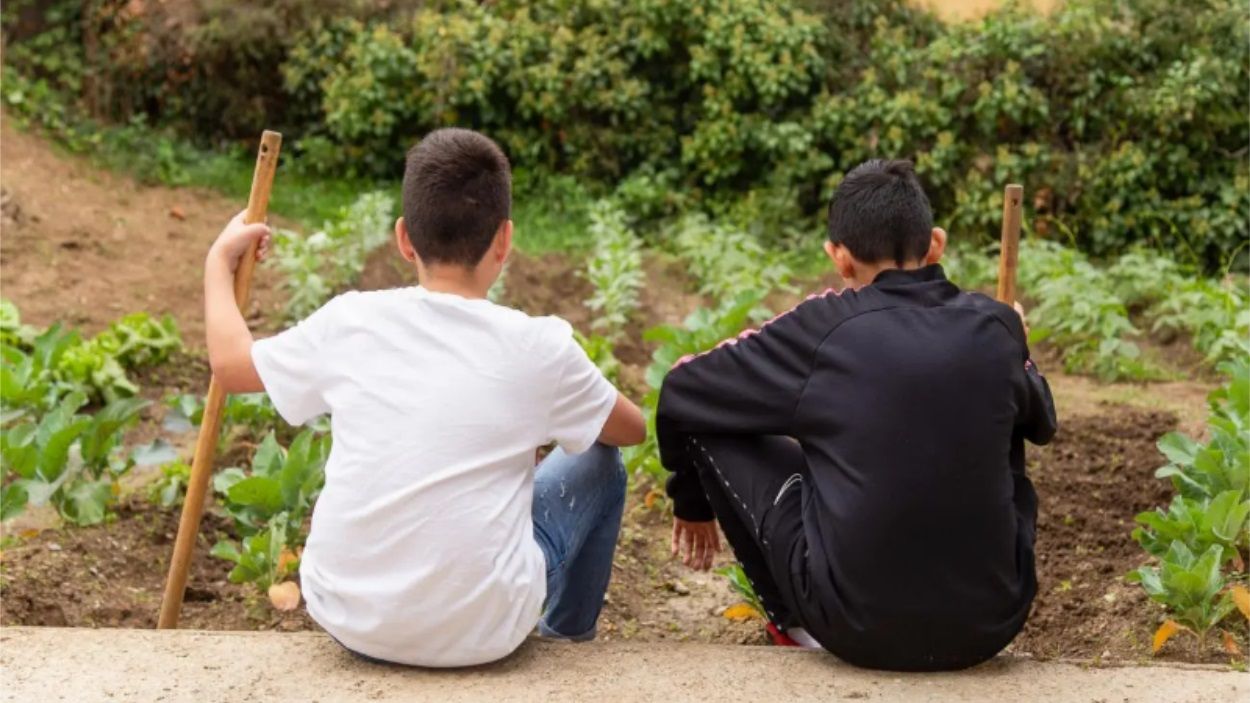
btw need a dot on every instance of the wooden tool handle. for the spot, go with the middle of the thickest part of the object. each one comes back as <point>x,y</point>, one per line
<point>1009,256</point>
<point>210,425</point>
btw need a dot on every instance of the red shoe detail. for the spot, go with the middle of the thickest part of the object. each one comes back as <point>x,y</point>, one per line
<point>780,638</point>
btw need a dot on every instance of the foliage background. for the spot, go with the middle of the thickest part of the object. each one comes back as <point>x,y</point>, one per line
<point>1125,119</point>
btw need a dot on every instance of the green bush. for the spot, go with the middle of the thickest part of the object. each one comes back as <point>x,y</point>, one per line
<point>1123,118</point>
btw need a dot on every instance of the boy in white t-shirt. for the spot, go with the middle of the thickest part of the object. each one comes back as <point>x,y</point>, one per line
<point>435,541</point>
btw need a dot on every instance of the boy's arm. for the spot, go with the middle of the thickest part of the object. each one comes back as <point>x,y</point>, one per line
<point>749,385</point>
<point>625,426</point>
<point>226,334</point>
<point>1037,420</point>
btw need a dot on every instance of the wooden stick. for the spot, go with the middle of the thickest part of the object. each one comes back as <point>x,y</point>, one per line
<point>1009,256</point>
<point>210,425</point>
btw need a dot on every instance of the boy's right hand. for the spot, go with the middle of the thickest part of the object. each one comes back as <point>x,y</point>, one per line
<point>234,240</point>
<point>697,542</point>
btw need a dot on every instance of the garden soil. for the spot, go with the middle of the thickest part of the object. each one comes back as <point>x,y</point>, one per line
<point>84,247</point>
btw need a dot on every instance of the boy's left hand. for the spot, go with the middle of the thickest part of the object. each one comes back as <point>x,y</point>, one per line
<point>1023,320</point>
<point>696,542</point>
<point>235,239</point>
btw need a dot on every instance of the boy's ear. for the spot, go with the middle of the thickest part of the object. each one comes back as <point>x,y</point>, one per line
<point>404,244</point>
<point>937,246</point>
<point>843,263</point>
<point>502,246</point>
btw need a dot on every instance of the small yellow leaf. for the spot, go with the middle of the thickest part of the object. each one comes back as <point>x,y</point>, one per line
<point>1164,633</point>
<point>652,496</point>
<point>285,595</point>
<point>740,612</point>
<point>115,489</point>
<point>29,534</point>
<point>1241,596</point>
<point>1230,644</point>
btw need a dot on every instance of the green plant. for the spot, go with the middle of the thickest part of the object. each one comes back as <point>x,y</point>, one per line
<point>1191,586</point>
<point>1210,516</point>
<point>614,270</point>
<point>316,266</point>
<point>285,481</point>
<point>1101,108</point>
<point>262,558</point>
<point>742,586</point>
<point>1198,524</point>
<point>67,459</point>
<point>1204,470</point>
<point>1079,313</point>
<point>253,413</point>
<point>1215,313</point>
<point>39,368</point>
<point>170,487</point>
<point>725,261</point>
<point>268,505</point>
<point>599,350</point>
<point>12,331</point>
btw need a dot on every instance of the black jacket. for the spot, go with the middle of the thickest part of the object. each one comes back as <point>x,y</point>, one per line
<point>911,400</point>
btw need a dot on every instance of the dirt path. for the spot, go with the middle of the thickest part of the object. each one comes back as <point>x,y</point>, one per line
<point>84,246</point>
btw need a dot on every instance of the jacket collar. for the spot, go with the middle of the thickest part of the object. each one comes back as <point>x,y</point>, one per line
<point>891,278</point>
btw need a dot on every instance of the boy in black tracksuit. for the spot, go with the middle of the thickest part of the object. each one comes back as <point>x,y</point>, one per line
<point>864,452</point>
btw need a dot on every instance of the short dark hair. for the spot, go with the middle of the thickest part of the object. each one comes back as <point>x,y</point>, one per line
<point>880,212</point>
<point>457,191</point>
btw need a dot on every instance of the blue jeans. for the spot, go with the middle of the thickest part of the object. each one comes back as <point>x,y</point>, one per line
<point>578,501</point>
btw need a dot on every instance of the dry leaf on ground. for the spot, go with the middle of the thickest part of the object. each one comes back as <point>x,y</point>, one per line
<point>1230,644</point>
<point>1241,596</point>
<point>1164,633</point>
<point>740,612</point>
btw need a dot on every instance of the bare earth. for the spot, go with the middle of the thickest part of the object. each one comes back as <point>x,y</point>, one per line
<point>84,246</point>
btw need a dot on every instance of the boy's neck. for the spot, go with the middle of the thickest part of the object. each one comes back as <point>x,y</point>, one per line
<point>454,280</point>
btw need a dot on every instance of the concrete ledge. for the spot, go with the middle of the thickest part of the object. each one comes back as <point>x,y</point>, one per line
<point>67,664</point>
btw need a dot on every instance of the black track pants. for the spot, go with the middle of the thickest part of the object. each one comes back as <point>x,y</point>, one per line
<point>754,485</point>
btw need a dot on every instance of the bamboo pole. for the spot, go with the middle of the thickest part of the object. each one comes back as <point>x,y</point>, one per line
<point>210,425</point>
<point>1009,255</point>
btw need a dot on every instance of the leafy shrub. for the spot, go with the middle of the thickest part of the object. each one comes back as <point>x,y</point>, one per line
<point>67,459</point>
<point>725,260</point>
<point>1196,523</point>
<point>1192,587</point>
<point>614,270</point>
<point>1215,313</point>
<point>1087,310</point>
<point>269,504</point>
<point>1202,540</point>
<point>599,350</point>
<point>170,488</point>
<point>318,265</point>
<point>37,368</point>
<point>1101,108</point>
<point>1221,464</point>
<point>1079,313</point>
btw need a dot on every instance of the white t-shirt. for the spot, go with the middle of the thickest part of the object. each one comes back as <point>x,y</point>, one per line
<point>422,548</point>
